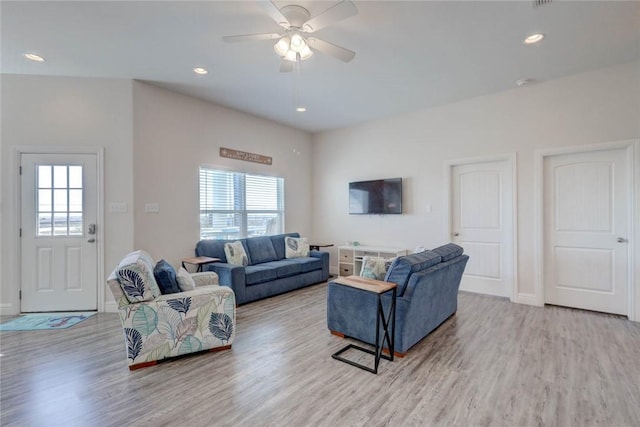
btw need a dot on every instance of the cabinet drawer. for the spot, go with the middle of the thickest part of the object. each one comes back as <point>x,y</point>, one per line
<point>346,256</point>
<point>346,270</point>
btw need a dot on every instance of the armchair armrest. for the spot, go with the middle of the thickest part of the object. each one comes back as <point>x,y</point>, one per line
<point>205,278</point>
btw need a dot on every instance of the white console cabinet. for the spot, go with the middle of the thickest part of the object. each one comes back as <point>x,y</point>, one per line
<point>350,257</point>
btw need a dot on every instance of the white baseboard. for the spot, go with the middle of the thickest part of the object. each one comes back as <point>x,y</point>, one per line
<point>110,307</point>
<point>8,309</point>
<point>528,299</point>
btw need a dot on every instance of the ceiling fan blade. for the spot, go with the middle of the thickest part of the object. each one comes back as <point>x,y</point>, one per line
<point>336,51</point>
<point>335,13</point>
<point>250,37</point>
<point>286,66</point>
<point>275,14</point>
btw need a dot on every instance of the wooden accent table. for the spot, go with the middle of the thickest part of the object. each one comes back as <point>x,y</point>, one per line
<point>198,261</point>
<point>317,246</point>
<point>377,287</point>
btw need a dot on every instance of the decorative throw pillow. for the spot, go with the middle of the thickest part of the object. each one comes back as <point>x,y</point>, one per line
<point>373,268</point>
<point>296,247</point>
<point>185,281</point>
<point>166,277</point>
<point>235,253</point>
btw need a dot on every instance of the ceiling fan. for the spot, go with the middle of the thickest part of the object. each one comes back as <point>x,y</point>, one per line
<point>293,44</point>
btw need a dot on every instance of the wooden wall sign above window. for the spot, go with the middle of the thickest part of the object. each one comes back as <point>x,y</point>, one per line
<point>243,155</point>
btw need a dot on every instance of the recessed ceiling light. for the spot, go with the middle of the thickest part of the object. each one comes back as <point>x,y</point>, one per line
<point>534,38</point>
<point>200,70</point>
<point>301,109</point>
<point>34,57</point>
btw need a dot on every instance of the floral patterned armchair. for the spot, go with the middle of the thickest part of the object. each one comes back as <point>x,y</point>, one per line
<point>159,326</point>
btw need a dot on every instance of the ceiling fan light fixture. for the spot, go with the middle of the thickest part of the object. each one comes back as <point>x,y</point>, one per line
<point>290,56</point>
<point>306,53</point>
<point>298,43</point>
<point>282,46</point>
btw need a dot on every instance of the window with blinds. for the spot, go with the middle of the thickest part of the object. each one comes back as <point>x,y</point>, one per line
<point>234,205</point>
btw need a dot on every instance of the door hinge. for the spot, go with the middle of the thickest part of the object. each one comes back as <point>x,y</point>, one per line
<point>20,170</point>
<point>20,232</point>
<point>20,294</point>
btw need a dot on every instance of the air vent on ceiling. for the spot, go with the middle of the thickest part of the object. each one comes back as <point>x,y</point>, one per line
<point>537,3</point>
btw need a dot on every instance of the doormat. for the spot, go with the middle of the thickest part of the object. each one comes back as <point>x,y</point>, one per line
<point>41,321</point>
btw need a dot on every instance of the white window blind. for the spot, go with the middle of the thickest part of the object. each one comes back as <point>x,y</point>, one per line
<point>235,205</point>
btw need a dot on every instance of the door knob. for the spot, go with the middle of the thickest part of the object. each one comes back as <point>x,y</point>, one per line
<point>621,240</point>
<point>91,240</point>
<point>456,234</point>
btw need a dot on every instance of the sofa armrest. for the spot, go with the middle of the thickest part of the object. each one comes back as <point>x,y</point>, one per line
<point>324,256</point>
<point>205,278</point>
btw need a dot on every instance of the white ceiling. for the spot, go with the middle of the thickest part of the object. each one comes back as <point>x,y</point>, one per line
<point>410,54</point>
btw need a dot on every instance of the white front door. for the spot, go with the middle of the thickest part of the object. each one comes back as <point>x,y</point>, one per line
<point>482,223</point>
<point>586,230</point>
<point>58,226</point>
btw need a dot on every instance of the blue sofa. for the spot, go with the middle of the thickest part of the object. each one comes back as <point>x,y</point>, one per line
<point>426,296</point>
<point>269,272</point>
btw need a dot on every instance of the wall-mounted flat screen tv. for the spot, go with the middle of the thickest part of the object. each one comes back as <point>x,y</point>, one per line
<point>380,196</point>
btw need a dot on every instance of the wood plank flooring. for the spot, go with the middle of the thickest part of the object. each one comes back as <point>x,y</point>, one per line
<point>492,364</point>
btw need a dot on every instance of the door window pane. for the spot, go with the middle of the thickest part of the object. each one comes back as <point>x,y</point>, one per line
<point>75,176</point>
<point>59,200</point>
<point>60,177</point>
<point>44,176</point>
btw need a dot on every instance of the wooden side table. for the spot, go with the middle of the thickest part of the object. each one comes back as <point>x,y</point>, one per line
<point>198,261</point>
<point>377,287</point>
<point>317,246</point>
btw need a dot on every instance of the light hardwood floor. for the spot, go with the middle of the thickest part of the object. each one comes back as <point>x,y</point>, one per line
<point>492,364</point>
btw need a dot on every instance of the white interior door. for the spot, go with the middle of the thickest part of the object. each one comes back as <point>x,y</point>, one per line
<point>482,223</point>
<point>58,227</point>
<point>586,230</point>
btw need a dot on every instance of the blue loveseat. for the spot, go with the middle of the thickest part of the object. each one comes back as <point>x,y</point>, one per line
<point>269,271</point>
<point>426,296</point>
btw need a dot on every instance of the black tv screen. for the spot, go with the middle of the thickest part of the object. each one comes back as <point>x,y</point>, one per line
<point>380,196</point>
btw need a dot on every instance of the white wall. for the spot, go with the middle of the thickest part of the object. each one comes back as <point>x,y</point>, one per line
<point>66,112</point>
<point>154,141</point>
<point>174,135</point>
<point>588,108</point>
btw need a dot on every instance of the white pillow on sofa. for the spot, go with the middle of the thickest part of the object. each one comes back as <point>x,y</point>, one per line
<point>185,281</point>
<point>235,253</point>
<point>296,247</point>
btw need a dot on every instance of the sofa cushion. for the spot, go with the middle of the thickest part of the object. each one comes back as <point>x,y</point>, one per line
<point>448,251</point>
<point>261,250</point>
<point>185,281</point>
<point>135,275</point>
<point>307,264</point>
<point>260,273</point>
<point>296,247</point>
<point>235,253</point>
<point>278,243</point>
<point>212,248</point>
<point>285,268</point>
<point>403,267</point>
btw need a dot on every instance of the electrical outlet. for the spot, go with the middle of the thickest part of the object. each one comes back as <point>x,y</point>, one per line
<point>118,207</point>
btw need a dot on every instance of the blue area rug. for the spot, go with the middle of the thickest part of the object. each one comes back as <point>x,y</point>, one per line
<point>41,321</point>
